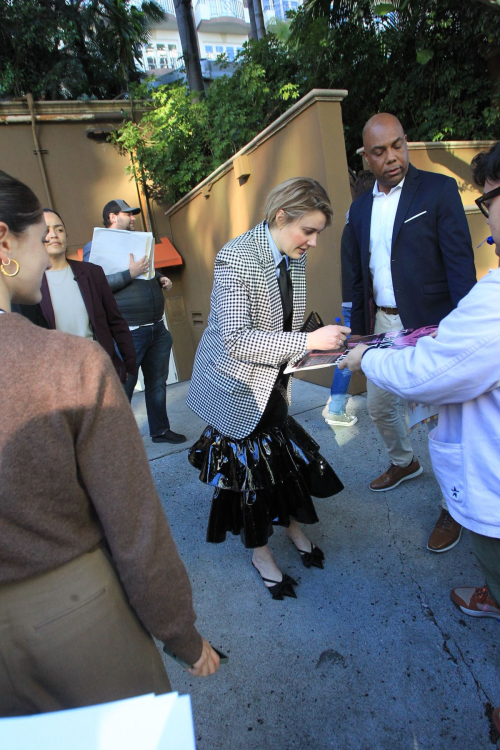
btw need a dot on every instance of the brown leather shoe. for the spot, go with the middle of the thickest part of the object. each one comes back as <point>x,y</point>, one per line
<point>395,475</point>
<point>446,533</point>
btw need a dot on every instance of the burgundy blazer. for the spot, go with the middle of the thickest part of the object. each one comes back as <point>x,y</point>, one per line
<point>106,320</point>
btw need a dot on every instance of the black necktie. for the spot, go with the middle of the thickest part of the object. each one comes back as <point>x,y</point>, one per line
<point>286,291</point>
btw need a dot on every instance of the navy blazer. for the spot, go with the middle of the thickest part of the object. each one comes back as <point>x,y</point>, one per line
<point>432,259</point>
<point>106,320</point>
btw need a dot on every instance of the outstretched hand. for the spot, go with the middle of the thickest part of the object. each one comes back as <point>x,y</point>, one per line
<point>353,360</point>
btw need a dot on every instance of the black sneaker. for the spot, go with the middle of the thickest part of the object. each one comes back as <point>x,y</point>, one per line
<point>169,436</point>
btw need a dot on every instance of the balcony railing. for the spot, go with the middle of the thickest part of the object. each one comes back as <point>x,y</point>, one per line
<point>232,8</point>
<point>225,8</point>
<point>167,6</point>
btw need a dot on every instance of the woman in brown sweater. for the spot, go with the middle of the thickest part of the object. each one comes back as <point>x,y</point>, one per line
<point>88,567</point>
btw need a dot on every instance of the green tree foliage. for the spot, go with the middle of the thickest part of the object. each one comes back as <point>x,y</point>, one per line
<point>71,49</point>
<point>423,60</point>
<point>181,137</point>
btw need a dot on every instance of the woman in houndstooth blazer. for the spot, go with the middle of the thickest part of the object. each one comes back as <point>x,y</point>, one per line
<point>263,464</point>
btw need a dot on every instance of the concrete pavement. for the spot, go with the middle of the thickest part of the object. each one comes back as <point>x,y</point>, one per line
<point>372,654</point>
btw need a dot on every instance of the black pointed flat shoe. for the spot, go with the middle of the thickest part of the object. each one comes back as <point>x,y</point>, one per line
<point>314,558</point>
<point>281,588</point>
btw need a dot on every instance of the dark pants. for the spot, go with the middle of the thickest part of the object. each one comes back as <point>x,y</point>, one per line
<point>152,353</point>
<point>487,551</point>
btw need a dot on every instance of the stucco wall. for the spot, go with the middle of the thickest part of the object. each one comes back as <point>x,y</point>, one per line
<point>306,141</point>
<point>83,174</point>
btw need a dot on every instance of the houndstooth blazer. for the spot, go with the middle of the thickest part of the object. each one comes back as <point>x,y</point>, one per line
<point>244,345</point>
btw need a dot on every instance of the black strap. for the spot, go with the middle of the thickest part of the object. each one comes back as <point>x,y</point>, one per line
<point>286,291</point>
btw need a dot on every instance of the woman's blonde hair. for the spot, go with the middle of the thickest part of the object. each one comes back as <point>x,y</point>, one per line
<point>297,197</point>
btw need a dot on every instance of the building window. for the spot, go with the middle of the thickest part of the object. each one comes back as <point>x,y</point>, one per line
<point>219,50</point>
<point>230,53</point>
<point>160,47</point>
<point>209,52</point>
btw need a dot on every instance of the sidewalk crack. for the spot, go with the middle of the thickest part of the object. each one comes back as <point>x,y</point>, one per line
<point>429,614</point>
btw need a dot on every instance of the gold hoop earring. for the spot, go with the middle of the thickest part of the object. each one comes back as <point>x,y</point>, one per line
<point>11,260</point>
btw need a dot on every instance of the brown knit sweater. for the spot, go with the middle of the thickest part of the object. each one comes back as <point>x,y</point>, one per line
<point>73,472</point>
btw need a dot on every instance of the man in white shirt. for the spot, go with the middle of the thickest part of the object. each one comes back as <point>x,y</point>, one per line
<point>412,263</point>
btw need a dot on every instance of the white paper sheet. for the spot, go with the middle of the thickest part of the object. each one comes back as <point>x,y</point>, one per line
<point>111,250</point>
<point>147,722</point>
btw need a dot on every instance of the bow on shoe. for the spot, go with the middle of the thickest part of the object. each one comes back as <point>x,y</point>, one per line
<point>313,558</point>
<point>283,588</point>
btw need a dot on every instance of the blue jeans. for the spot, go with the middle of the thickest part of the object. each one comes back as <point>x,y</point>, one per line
<point>152,353</point>
<point>341,378</point>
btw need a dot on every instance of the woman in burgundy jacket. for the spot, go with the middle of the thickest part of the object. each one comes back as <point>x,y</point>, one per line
<point>76,298</point>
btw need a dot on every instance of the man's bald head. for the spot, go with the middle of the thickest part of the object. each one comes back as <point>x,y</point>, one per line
<point>384,143</point>
<point>381,122</point>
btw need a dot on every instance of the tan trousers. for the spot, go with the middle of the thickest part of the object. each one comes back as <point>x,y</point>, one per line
<point>69,638</point>
<point>384,408</point>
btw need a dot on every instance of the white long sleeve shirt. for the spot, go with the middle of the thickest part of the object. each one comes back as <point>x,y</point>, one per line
<point>460,371</point>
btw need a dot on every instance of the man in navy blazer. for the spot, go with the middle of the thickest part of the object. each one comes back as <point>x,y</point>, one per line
<point>412,262</point>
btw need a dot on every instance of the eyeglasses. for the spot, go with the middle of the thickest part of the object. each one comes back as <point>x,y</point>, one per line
<point>480,202</point>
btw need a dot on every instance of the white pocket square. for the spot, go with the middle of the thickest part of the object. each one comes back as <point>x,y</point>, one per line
<point>415,217</point>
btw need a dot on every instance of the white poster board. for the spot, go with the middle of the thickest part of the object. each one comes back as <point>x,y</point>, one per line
<point>148,722</point>
<point>111,250</point>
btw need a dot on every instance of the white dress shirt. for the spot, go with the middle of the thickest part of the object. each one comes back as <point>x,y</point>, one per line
<point>384,210</point>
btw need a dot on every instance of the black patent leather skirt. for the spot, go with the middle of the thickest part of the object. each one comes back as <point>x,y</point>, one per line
<point>264,479</point>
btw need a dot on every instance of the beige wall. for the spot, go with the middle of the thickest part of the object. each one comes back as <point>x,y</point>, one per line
<point>306,141</point>
<point>83,174</point>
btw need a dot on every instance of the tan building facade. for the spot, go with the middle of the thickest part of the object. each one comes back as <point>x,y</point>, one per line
<point>68,154</point>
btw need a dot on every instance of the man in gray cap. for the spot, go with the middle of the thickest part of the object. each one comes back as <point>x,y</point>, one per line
<point>142,305</point>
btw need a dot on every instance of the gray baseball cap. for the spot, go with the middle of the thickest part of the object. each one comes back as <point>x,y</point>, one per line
<point>114,207</point>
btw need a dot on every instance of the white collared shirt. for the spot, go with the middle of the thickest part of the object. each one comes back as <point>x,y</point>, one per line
<point>382,224</point>
<point>277,256</point>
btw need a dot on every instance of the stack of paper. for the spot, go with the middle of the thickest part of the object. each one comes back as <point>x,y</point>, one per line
<point>148,722</point>
<point>111,250</point>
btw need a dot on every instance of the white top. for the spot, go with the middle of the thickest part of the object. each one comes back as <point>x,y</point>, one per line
<point>69,308</point>
<point>382,224</point>
<point>460,371</point>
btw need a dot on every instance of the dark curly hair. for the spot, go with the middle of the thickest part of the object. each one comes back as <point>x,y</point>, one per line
<point>486,166</point>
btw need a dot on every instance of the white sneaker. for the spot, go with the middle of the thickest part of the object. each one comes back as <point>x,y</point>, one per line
<point>340,420</point>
